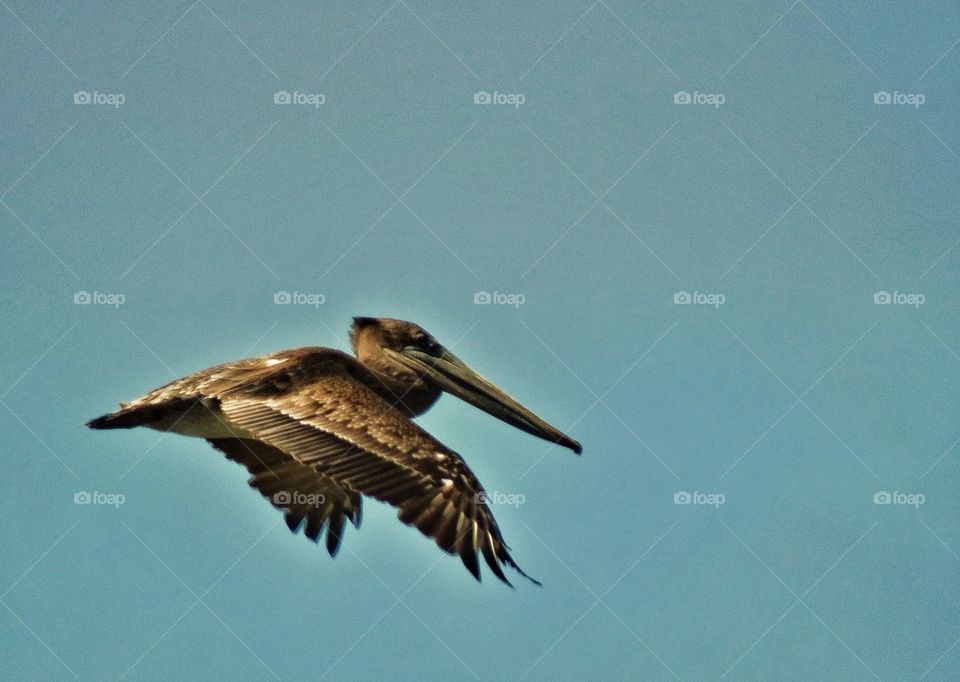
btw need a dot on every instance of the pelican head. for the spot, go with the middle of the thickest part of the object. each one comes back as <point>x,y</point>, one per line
<point>395,348</point>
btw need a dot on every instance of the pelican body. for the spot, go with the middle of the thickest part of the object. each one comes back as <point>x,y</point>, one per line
<point>318,429</point>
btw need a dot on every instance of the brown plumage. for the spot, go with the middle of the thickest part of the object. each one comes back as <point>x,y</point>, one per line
<point>317,429</point>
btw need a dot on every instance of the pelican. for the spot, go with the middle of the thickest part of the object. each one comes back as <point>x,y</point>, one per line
<point>317,429</point>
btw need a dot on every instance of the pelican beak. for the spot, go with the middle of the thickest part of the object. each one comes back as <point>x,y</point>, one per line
<point>452,375</point>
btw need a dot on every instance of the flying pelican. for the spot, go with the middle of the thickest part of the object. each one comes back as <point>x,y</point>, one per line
<point>318,428</point>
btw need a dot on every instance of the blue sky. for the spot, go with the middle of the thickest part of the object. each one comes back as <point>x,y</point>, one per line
<point>720,246</point>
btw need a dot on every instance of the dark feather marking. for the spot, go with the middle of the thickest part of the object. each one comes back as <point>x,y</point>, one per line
<point>334,532</point>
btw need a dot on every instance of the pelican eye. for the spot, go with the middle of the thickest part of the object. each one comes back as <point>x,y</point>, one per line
<point>427,344</point>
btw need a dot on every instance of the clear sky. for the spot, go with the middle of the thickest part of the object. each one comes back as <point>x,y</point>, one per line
<point>719,244</point>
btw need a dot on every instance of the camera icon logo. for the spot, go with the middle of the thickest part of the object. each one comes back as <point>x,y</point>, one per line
<point>282,298</point>
<point>281,498</point>
<point>881,97</point>
<point>82,97</point>
<point>882,497</point>
<point>882,298</point>
<point>482,97</point>
<point>682,97</point>
<point>682,298</point>
<point>482,298</point>
<point>281,97</point>
<point>681,497</point>
<point>81,497</point>
<point>82,298</point>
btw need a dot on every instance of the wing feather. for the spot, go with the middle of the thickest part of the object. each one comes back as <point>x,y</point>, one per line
<point>283,481</point>
<point>320,425</point>
<point>349,433</point>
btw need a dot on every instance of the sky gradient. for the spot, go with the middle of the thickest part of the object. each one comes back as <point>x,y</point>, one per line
<point>717,244</point>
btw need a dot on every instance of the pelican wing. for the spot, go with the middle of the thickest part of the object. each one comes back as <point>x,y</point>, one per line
<point>321,412</point>
<point>279,370</point>
<point>305,494</point>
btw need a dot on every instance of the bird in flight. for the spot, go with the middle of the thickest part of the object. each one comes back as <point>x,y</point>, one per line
<point>317,429</point>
